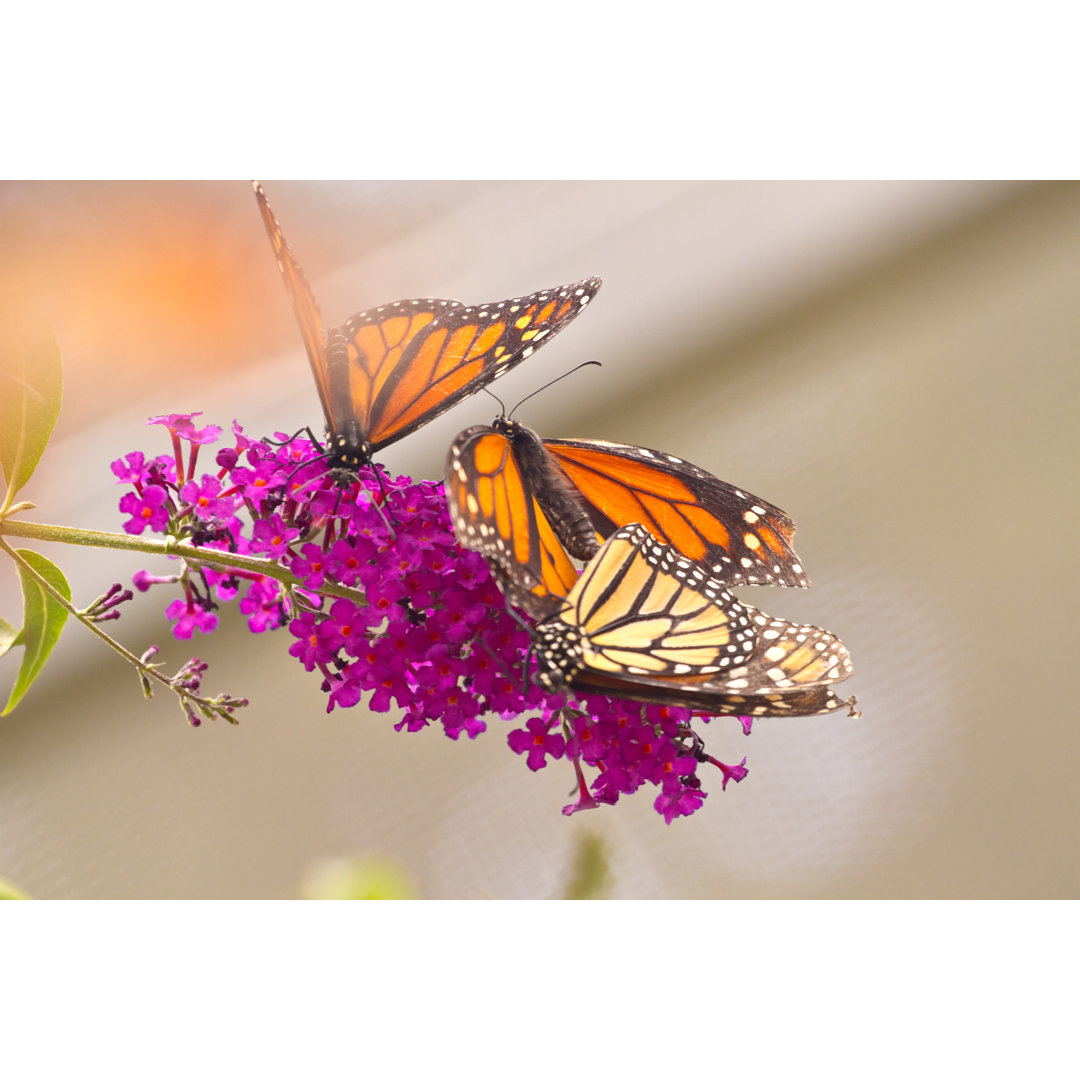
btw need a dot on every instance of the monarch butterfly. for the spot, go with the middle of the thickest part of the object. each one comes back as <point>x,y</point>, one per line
<point>388,371</point>
<point>527,503</point>
<point>642,622</point>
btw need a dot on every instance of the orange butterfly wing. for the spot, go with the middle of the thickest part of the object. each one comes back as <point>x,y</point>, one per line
<point>303,300</point>
<point>407,362</point>
<point>495,512</point>
<point>742,539</point>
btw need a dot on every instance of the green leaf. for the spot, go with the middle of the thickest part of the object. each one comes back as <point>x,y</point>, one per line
<point>31,384</point>
<point>9,636</point>
<point>43,619</point>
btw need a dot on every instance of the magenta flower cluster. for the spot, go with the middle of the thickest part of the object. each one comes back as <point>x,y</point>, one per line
<point>387,608</point>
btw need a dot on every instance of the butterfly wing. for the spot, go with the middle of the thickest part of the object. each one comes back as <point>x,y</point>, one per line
<point>494,511</point>
<point>640,608</point>
<point>742,539</point>
<point>812,701</point>
<point>303,302</point>
<point>405,363</point>
<point>789,673</point>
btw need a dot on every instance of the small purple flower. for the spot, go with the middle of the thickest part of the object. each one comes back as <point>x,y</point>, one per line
<point>189,618</point>
<point>131,468</point>
<point>458,712</point>
<point>142,580</point>
<point>730,772</point>
<point>206,501</point>
<point>182,426</point>
<point>346,558</point>
<point>679,803</point>
<point>384,602</point>
<point>309,566</point>
<point>307,648</point>
<point>150,510</point>
<point>538,741</point>
<point>585,801</point>
<point>259,481</point>
<point>262,605</point>
<point>344,628</point>
<point>271,536</point>
<point>227,457</point>
<point>345,691</point>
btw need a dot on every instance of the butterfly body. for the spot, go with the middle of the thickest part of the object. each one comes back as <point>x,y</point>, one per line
<point>387,371</point>
<point>563,504</point>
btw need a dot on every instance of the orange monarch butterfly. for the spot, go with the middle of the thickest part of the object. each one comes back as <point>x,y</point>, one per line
<point>643,623</point>
<point>527,504</point>
<point>388,371</point>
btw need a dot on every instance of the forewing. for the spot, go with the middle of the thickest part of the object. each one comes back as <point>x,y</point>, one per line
<point>303,302</point>
<point>494,512</point>
<point>412,360</point>
<point>742,539</point>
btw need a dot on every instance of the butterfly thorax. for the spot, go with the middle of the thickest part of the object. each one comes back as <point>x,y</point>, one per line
<point>558,652</point>
<point>555,493</point>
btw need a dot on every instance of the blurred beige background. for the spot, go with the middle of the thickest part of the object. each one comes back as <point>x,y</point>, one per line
<point>893,364</point>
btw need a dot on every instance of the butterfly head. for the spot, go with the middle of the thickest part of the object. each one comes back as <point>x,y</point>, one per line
<point>347,450</point>
<point>505,426</point>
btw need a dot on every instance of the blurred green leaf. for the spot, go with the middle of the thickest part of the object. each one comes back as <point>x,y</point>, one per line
<point>31,384</point>
<point>9,892</point>
<point>358,879</point>
<point>590,877</point>
<point>9,636</point>
<point>43,619</point>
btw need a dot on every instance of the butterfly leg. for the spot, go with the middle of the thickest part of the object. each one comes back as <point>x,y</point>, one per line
<point>292,438</point>
<point>697,744</point>
<point>527,661</point>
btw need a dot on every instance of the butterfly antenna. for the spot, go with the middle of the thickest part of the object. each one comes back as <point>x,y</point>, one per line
<point>587,363</point>
<point>502,406</point>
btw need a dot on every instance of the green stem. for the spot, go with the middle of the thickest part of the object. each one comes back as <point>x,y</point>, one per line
<point>61,534</point>
<point>92,626</point>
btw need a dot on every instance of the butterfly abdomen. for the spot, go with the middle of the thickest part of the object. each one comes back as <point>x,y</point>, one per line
<point>349,449</point>
<point>559,654</point>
